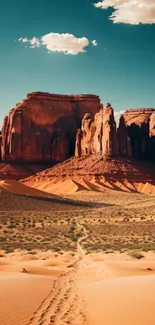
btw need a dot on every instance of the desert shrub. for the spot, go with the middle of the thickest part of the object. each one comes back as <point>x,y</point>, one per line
<point>12,226</point>
<point>136,254</point>
<point>75,239</point>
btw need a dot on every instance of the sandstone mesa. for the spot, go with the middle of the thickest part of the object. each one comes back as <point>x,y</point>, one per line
<point>45,129</point>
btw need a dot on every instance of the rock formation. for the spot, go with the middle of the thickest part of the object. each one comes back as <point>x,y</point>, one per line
<point>47,129</point>
<point>152,125</point>
<point>87,135</point>
<point>131,139</point>
<point>152,135</point>
<point>124,148</point>
<point>78,143</point>
<point>109,140</point>
<point>138,124</point>
<point>0,144</point>
<point>98,134</point>
<point>104,156</point>
<point>42,128</point>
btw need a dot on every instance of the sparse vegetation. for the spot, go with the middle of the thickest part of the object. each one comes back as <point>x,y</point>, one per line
<point>110,226</point>
<point>136,254</point>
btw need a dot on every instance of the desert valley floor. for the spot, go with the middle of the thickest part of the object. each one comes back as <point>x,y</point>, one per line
<point>86,258</point>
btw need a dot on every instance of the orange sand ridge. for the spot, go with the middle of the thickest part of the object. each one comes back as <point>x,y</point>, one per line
<point>19,188</point>
<point>99,184</point>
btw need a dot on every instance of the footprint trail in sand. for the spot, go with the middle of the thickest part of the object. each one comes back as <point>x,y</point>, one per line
<point>64,304</point>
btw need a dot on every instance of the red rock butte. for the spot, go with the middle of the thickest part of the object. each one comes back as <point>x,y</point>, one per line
<point>133,138</point>
<point>42,128</point>
<point>106,157</point>
<point>49,129</point>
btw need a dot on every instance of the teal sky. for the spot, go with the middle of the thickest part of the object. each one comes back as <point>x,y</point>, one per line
<point>120,68</point>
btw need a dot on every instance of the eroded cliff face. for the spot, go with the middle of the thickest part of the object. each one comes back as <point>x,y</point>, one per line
<point>51,128</point>
<point>0,145</point>
<point>152,125</point>
<point>43,127</point>
<point>98,134</point>
<point>109,138</point>
<point>124,148</point>
<point>138,129</point>
<point>134,137</point>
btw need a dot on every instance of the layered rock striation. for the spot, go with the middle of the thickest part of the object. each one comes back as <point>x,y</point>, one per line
<point>42,128</point>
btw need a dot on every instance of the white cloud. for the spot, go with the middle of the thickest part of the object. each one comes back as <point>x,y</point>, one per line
<point>94,42</point>
<point>34,42</point>
<point>117,116</point>
<point>66,43</point>
<point>23,39</point>
<point>63,43</point>
<point>130,11</point>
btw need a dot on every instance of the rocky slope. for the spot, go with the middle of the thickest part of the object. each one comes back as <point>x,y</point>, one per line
<point>17,170</point>
<point>96,173</point>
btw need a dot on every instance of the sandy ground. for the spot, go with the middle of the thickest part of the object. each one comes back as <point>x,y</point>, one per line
<point>122,301</point>
<point>19,297</point>
<point>87,289</point>
<point>21,293</point>
<point>81,289</point>
<point>119,290</point>
<point>16,187</point>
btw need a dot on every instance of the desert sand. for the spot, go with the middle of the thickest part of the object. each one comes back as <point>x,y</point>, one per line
<point>13,186</point>
<point>88,289</point>
<point>84,282</point>
<point>99,184</point>
<point>122,301</point>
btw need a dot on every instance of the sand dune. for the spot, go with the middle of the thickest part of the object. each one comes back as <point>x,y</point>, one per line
<point>22,293</point>
<point>112,289</point>
<point>91,183</point>
<point>148,189</point>
<point>30,268</point>
<point>20,296</point>
<point>95,173</point>
<point>29,258</point>
<point>122,301</point>
<point>19,188</point>
<point>15,196</point>
<point>67,186</point>
<point>119,290</point>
